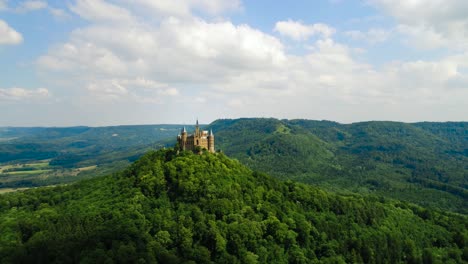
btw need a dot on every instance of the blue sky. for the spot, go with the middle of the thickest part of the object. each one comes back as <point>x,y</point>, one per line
<point>108,62</point>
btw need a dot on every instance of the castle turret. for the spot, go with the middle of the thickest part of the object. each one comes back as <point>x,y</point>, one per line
<point>211,147</point>
<point>183,139</point>
<point>197,129</point>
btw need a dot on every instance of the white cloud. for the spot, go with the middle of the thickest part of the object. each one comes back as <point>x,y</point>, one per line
<point>299,31</point>
<point>179,50</point>
<point>9,36</point>
<point>84,57</point>
<point>58,13</point>
<point>430,23</point>
<point>188,62</point>
<point>21,94</point>
<point>31,5</point>
<point>216,6</point>
<point>111,89</point>
<point>169,91</point>
<point>138,90</point>
<point>372,36</point>
<point>428,12</point>
<point>424,38</point>
<point>185,8</point>
<point>99,10</point>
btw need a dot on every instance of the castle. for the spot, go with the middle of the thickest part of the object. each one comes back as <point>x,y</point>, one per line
<point>201,138</point>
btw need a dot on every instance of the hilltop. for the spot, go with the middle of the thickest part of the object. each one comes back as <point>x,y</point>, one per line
<point>171,207</point>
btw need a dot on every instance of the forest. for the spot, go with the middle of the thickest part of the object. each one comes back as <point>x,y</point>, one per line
<point>181,207</point>
<point>424,163</point>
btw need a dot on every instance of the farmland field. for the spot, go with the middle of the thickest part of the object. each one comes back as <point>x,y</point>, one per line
<point>31,157</point>
<point>22,175</point>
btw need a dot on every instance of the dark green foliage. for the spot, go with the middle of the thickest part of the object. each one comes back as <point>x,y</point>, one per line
<point>426,163</point>
<point>171,207</point>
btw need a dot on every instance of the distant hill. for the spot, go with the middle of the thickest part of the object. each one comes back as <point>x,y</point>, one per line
<point>37,143</point>
<point>67,150</point>
<point>426,163</point>
<point>171,207</point>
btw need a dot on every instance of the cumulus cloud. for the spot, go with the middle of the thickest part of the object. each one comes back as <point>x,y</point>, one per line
<point>9,36</point>
<point>430,23</point>
<point>429,12</point>
<point>299,31</point>
<point>187,61</point>
<point>425,38</point>
<point>139,90</point>
<point>101,11</point>
<point>178,50</point>
<point>84,57</point>
<point>21,94</point>
<point>372,36</point>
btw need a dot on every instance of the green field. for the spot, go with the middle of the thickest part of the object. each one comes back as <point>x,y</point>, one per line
<point>28,172</point>
<point>42,156</point>
<point>20,176</point>
<point>9,190</point>
<point>26,168</point>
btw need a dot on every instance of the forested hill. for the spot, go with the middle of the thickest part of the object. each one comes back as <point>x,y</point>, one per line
<point>426,163</point>
<point>188,208</point>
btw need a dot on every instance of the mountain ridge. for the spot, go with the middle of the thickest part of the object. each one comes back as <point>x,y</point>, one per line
<point>399,160</point>
<point>421,162</point>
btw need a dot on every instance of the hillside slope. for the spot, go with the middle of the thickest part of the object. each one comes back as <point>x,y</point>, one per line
<point>187,208</point>
<point>426,163</point>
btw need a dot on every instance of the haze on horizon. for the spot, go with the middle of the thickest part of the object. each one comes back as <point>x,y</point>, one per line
<point>115,62</point>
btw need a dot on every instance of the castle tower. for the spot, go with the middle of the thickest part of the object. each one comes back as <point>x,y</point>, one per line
<point>183,138</point>
<point>211,147</point>
<point>197,129</point>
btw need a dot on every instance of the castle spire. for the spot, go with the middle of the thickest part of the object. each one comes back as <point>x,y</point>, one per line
<point>211,132</point>
<point>184,130</point>
<point>197,129</point>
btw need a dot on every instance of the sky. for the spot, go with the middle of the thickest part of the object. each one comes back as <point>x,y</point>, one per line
<point>116,62</point>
